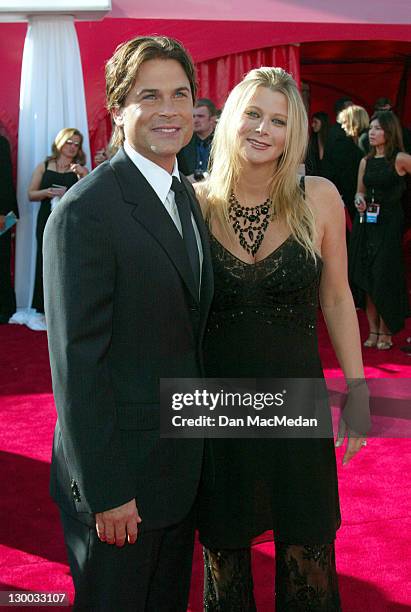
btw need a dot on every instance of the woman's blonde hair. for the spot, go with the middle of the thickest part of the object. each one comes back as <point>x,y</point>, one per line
<point>287,197</point>
<point>60,140</point>
<point>354,120</point>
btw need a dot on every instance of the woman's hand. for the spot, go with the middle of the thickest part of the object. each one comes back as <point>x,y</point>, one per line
<point>360,203</point>
<point>355,442</point>
<point>80,170</point>
<point>53,192</point>
<point>355,419</point>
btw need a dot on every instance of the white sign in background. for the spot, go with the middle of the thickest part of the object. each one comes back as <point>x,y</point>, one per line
<point>20,10</point>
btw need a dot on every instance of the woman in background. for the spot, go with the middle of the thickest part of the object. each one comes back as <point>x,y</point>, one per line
<point>376,266</point>
<point>51,179</point>
<point>315,151</point>
<point>354,120</point>
<point>276,241</point>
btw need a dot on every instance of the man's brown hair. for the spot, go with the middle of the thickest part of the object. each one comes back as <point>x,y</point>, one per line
<point>212,109</point>
<point>122,69</point>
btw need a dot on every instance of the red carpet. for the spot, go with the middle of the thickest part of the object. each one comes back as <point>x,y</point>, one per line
<point>372,546</point>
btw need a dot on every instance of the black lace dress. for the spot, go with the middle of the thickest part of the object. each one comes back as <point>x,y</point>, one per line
<point>263,325</point>
<point>376,265</point>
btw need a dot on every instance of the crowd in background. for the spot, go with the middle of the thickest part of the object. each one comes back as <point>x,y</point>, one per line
<point>335,151</point>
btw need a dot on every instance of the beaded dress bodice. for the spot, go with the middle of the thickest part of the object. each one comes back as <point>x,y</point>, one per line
<point>281,288</point>
<point>263,324</point>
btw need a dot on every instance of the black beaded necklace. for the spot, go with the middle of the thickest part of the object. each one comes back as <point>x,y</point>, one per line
<point>250,222</point>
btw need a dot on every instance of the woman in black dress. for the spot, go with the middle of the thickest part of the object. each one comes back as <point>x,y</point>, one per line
<point>316,144</point>
<point>354,120</point>
<point>51,179</point>
<point>376,266</point>
<point>276,242</point>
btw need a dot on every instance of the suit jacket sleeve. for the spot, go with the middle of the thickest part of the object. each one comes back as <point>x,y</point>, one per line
<point>79,278</point>
<point>187,158</point>
<point>340,164</point>
<point>7,193</point>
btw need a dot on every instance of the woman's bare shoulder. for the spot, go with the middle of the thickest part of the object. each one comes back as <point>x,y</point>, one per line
<point>201,191</point>
<point>403,163</point>
<point>40,168</point>
<point>322,195</point>
<point>319,185</point>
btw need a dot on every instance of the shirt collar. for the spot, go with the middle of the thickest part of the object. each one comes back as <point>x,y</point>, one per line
<point>205,141</point>
<point>159,179</point>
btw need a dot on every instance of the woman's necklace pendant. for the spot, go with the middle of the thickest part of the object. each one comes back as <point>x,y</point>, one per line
<point>62,168</point>
<point>249,222</point>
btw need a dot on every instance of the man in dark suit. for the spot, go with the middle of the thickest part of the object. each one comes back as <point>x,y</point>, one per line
<point>341,159</point>
<point>128,284</point>
<point>8,204</point>
<point>193,158</point>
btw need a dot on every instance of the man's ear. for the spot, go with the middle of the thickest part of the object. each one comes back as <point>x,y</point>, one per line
<point>117,113</point>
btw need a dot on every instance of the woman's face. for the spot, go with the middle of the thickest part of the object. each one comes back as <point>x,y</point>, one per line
<point>316,124</point>
<point>263,126</point>
<point>71,146</point>
<point>376,134</point>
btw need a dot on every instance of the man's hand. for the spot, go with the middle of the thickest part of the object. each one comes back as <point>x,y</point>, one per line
<point>115,525</point>
<point>100,157</point>
<point>2,221</point>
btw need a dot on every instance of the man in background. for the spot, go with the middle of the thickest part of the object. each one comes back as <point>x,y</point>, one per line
<point>193,159</point>
<point>339,165</point>
<point>8,203</point>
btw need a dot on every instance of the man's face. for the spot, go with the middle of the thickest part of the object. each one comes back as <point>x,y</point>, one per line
<point>157,116</point>
<point>204,123</point>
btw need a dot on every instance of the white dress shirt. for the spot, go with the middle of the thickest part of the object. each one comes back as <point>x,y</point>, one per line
<point>160,180</point>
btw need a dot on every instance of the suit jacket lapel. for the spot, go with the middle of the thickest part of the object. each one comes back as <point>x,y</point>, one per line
<point>207,282</point>
<point>150,212</point>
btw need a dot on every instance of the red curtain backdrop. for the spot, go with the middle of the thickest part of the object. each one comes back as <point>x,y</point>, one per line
<point>225,51</point>
<point>11,52</point>
<point>217,77</point>
<point>364,70</point>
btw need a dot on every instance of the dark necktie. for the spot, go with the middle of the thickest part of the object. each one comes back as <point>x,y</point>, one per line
<point>189,237</point>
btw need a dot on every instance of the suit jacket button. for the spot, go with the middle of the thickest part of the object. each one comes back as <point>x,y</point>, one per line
<point>75,491</point>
